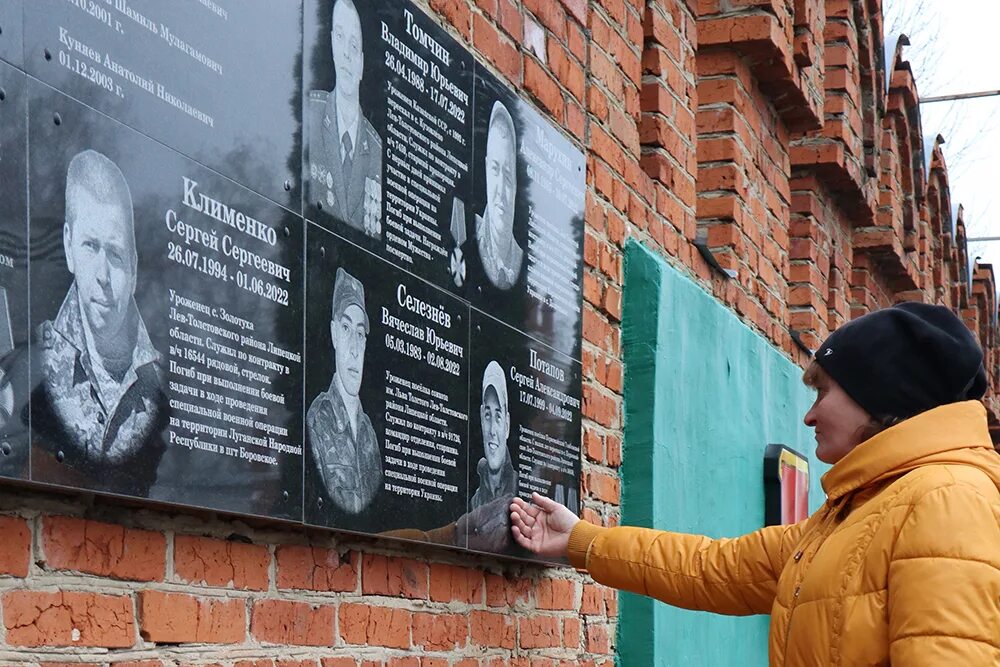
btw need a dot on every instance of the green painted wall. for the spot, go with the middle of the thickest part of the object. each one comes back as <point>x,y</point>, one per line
<point>704,394</point>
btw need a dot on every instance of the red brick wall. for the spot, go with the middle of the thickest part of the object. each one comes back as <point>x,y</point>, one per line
<point>759,129</point>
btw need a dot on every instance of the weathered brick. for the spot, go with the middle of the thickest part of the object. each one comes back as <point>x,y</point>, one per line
<point>455,583</point>
<point>456,12</point>
<point>544,87</point>
<point>539,632</point>
<point>15,549</point>
<point>68,618</point>
<point>504,592</point>
<point>175,618</point>
<point>376,626</point>
<point>286,622</point>
<point>497,48</point>
<point>440,632</point>
<point>104,549</point>
<point>571,632</point>
<point>221,563</point>
<point>556,594</point>
<point>603,486</point>
<point>316,569</point>
<point>597,638</point>
<point>491,629</point>
<point>338,662</point>
<point>397,577</point>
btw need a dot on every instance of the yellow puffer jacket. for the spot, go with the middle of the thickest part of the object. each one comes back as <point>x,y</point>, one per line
<point>901,565</point>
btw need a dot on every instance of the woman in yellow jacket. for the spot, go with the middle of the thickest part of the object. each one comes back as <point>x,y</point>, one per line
<point>900,566</point>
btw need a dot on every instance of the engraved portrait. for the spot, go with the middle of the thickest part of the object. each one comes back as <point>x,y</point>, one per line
<point>101,391</point>
<point>497,477</point>
<point>343,170</point>
<point>498,249</point>
<point>341,438</point>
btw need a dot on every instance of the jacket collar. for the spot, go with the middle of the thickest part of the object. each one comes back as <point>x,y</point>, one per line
<point>69,323</point>
<point>947,434</point>
<point>507,483</point>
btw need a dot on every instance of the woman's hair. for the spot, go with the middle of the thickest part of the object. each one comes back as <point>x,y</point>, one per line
<point>814,375</point>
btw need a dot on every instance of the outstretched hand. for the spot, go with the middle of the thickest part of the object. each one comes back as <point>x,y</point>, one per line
<point>543,526</point>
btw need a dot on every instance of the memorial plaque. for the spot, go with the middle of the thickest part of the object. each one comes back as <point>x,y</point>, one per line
<point>11,25</point>
<point>387,125</point>
<point>217,80</point>
<point>302,260</point>
<point>387,394</point>
<point>525,257</point>
<point>14,421</point>
<point>167,308</point>
<point>524,432</point>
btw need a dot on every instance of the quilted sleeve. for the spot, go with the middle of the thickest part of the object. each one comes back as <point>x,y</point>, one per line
<point>726,576</point>
<point>944,581</point>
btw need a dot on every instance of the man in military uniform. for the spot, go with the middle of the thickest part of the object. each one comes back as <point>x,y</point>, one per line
<point>486,526</point>
<point>497,477</point>
<point>100,402</point>
<point>500,253</point>
<point>341,438</point>
<point>344,160</point>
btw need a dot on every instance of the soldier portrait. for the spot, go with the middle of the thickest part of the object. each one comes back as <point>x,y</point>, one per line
<point>341,438</point>
<point>500,254</point>
<point>343,170</point>
<point>101,395</point>
<point>497,477</point>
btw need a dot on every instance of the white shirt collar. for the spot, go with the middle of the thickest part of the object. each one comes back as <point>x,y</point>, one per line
<point>352,129</point>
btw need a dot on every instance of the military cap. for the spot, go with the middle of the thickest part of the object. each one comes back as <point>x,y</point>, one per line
<point>348,290</point>
<point>493,377</point>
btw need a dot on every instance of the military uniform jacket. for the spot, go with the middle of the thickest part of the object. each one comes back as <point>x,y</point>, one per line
<point>508,483</point>
<point>114,447</point>
<point>343,195</point>
<point>349,466</point>
<point>501,269</point>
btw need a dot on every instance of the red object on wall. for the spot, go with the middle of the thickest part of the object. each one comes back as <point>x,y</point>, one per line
<point>786,485</point>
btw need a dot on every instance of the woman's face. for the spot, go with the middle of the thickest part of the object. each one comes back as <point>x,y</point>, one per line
<point>838,421</point>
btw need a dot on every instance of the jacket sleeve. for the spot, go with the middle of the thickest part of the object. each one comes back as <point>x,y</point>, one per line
<point>727,576</point>
<point>944,581</point>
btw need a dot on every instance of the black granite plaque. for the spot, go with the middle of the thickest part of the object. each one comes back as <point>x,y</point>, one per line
<point>14,421</point>
<point>524,430</point>
<point>387,125</point>
<point>11,25</point>
<point>387,389</point>
<point>167,308</point>
<point>217,80</point>
<point>525,250</point>
<point>154,160</point>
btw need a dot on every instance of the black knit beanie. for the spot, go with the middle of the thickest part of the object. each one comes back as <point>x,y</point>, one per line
<point>900,361</point>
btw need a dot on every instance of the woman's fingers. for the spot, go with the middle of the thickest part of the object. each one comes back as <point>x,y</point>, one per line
<point>546,504</point>
<point>523,511</point>
<point>527,508</point>
<point>517,518</point>
<point>520,538</point>
<point>531,510</point>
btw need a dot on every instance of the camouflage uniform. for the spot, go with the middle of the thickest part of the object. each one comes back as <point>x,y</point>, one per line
<point>354,198</point>
<point>117,447</point>
<point>349,466</point>
<point>502,270</point>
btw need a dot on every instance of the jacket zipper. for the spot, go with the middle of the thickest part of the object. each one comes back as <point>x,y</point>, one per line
<point>823,534</point>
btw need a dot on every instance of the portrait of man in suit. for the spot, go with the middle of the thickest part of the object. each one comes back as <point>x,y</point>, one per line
<point>101,400</point>
<point>498,250</point>
<point>343,171</point>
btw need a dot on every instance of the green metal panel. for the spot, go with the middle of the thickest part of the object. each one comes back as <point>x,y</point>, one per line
<point>704,395</point>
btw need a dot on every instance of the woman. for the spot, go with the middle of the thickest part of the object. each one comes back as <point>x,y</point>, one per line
<point>900,566</point>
